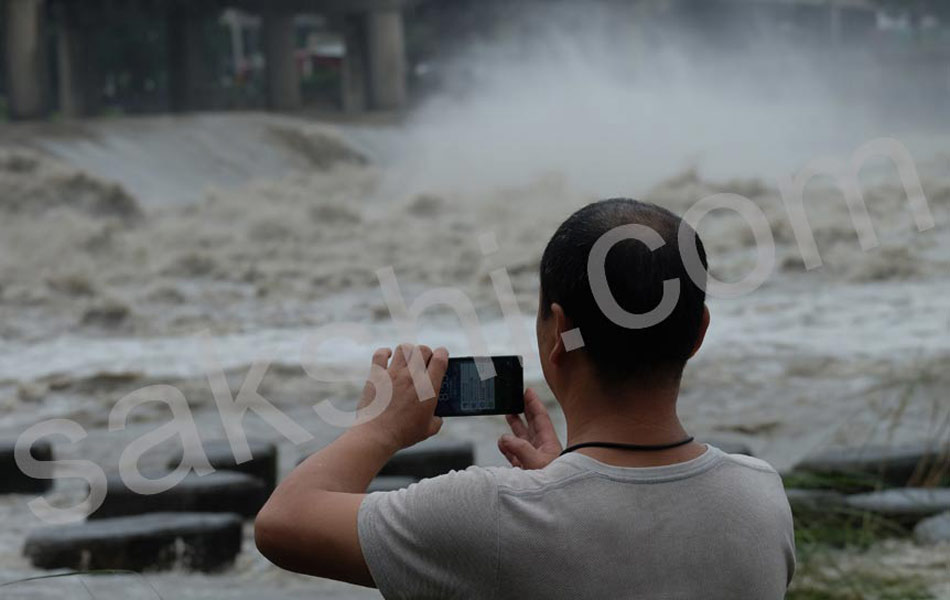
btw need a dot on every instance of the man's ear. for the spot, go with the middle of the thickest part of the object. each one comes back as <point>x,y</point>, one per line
<point>703,326</point>
<point>561,324</point>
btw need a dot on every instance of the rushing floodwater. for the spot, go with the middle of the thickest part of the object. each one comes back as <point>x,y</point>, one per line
<point>250,246</point>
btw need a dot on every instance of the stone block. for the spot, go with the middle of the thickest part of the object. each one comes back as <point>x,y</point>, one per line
<point>894,465</point>
<point>263,463</point>
<point>431,459</point>
<point>814,501</point>
<point>219,492</point>
<point>12,479</point>
<point>933,530</point>
<point>905,505</point>
<point>199,542</point>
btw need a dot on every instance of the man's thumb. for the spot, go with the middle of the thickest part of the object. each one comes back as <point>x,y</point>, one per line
<point>527,455</point>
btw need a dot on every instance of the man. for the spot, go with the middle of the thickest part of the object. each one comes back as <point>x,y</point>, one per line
<point>634,509</point>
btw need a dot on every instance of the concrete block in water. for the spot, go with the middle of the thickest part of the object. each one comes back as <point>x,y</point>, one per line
<point>199,542</point>
<point>13,480</point>
<point>431,459</point>
<point>219,492</point>
<point>263,463</point>
<point>389,483</point>
<point>895,465</point>
<point>906,505</point>
<point>934,530</point>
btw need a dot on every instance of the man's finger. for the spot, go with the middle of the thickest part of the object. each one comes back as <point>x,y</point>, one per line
<point>418,371</point>
<point>518,427</point>
<point>522,450</point>
<point>503,448</point>
<point>438,363</point>
<point>401,356</point>
<point>537,415</point>
<point>434,426</point>
<point>381,357</point>
<point>511,458</point>
<point>418,360</point>
<point>426,353</point>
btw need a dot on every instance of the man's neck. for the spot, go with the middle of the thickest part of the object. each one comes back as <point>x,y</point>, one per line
<point>635,414</point>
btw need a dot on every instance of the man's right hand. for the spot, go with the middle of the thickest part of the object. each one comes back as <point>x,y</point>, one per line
<point>534,445</point>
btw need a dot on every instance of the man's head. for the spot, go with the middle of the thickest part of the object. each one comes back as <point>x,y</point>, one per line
<point>616,354</point>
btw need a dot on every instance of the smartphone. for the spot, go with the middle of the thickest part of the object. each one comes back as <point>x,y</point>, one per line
<point>488,385</point>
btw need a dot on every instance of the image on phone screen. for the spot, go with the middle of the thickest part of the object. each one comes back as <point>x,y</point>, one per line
<point>465,392</point>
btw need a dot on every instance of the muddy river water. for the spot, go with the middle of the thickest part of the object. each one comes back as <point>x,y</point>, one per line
<point>241,237</point>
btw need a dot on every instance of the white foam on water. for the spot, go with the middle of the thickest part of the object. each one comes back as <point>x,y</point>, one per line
<point>841,321</point>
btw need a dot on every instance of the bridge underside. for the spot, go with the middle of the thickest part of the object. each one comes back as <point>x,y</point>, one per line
<point>373,71</point>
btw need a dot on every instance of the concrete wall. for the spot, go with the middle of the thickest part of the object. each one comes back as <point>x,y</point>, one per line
<point>283,77</point>
<point>374,72</point>
<point>386,54</point>
<point>78,74</point>
<point>189,70</point>
<point>354,81</point>
<point>25,57</point>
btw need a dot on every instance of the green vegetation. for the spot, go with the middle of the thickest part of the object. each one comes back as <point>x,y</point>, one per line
<point>843,528</point>
<point>833,584</point>
<point>822,575</point>
<point>846,483</point>
<point>826,539</point>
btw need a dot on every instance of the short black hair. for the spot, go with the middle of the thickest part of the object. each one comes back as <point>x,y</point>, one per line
<point>635,276</point>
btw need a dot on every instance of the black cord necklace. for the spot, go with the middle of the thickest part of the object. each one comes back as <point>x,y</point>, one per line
<point>621,446</point>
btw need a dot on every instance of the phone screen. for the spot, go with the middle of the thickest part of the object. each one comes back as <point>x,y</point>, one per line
<point>470,388</point>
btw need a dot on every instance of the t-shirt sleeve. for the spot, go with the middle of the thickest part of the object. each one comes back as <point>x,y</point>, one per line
<point>435,539</point>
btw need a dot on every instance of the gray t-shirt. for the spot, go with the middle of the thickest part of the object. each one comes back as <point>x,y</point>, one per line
<point>717,526</point>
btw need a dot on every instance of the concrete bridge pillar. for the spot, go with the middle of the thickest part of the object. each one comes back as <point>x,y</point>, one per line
<point>386,55</point>
<point>280,45</point>
<point>188,64</point>
<point>25,52</point>
<point>79,84</point>
<point>354,81</point>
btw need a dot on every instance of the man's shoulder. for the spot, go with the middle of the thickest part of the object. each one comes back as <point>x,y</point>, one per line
<point>759,482</point>
<point>512,480</point>
<point>755,475</point>
<point>504,479</point>
<point>751,462</point>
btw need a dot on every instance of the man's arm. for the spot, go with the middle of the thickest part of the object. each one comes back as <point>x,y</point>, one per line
<point>309,524</point>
